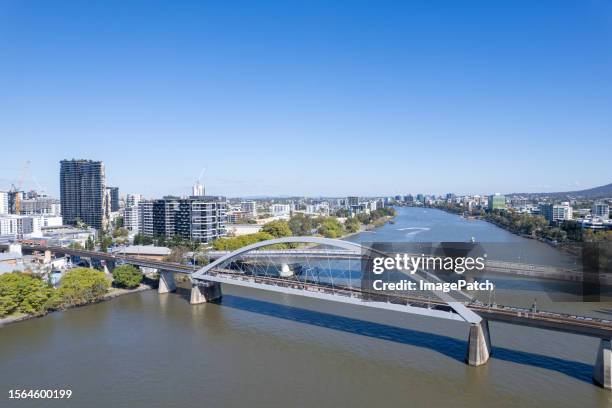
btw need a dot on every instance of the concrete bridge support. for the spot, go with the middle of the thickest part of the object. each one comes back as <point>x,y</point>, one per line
<point>205,292</point>
<point>602,372</point>
<point>479,344</point>
<point>166,282</point>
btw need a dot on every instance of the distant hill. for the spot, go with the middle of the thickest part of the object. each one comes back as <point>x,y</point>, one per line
<point>595,192</point>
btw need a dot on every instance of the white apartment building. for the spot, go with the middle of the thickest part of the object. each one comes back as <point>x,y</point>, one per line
<point>4,202</point>
<point>19,226</point>
<point>601,210</point>
<point>556,212</point>
<point>278,210</point>
<point>249,207</point>
<point>132,199</point>
<point>131,215</point>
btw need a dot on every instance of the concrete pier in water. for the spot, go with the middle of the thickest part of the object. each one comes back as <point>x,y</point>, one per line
<point>166,282</point>
<point>479,344</point>
<point>602,372</point>
<point>205,292</point>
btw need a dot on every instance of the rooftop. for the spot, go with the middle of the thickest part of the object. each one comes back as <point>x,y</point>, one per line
<point>143,250</point>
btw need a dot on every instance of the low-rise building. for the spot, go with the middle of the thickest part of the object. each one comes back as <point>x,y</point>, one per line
<point>144,251</point>
<point>496,202</point>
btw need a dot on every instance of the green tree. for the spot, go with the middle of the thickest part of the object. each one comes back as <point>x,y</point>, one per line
<point>80,224</point>
<point>278,229</point>
<point>24,293</point>
<point>230,244</point>
<point>331,228</point>
<point>90,244</point>
<point>301,225</point>
<point>120,232</point>
<point>80,286</point>
<point>7,306</point>
<point>104,241</point>
<point>363,218</point>
<point>127,276</point>
<point>177,240</point>
<point>140,239</point>
<point>352,225</point>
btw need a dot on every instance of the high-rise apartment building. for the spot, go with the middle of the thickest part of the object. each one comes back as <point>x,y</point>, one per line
<point>197,218</point>
<point>145,217</point>
<point>82,189</point>
<point>114,198</point>
<point>131,215</point>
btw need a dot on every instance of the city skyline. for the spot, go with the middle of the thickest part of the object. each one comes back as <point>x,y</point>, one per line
<point>32,183</point>
<point>311,99</point>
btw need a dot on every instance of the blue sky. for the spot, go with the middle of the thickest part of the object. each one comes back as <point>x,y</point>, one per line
<point>310,97</point>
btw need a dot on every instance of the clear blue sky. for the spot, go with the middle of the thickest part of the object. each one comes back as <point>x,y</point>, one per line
<point>310,97</point>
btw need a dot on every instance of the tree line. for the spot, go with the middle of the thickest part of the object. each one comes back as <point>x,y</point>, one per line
<point>28,294</point>
<point>304,225</point>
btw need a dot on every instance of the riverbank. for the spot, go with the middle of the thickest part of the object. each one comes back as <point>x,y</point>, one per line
<point>112,293</point>
<point>500,225</point>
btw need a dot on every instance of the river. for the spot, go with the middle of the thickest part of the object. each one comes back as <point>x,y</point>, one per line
<point>261,349</point>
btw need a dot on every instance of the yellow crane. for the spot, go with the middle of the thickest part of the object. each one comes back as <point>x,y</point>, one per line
<point>15,189</point>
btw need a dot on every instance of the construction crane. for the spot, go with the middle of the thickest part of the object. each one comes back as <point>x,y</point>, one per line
<point>16,188</point>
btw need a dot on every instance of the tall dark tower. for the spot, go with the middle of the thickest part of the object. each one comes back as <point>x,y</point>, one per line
<point>82,189</point>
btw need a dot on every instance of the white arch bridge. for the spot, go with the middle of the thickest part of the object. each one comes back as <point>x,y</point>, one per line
<point>330,269</point>
<point>318,275</point>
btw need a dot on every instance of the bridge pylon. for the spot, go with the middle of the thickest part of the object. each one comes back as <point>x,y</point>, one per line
<point>479,344</point>
<point>205,292</point>
<point>166,282</point>
<point>602,372</point>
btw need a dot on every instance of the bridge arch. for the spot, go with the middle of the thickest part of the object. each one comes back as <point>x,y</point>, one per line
<point>337,243</point>
<point>460,308</point>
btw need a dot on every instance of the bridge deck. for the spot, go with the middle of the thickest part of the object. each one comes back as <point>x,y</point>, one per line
<point>588,326</point>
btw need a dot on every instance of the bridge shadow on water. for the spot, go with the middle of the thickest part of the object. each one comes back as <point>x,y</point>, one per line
<point>448,346</point>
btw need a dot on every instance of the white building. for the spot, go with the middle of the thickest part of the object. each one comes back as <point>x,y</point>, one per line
<point>318,209</point>
<point>243,229</point>
<point>556,212</point>
<point>249,207</point>
<point>4,202</point>
<point>197,189</point>
<point>19,226</point>
<point>278,210</point>
<point>132,200</point>
<point>601,210</point>
<point>131,215</point>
